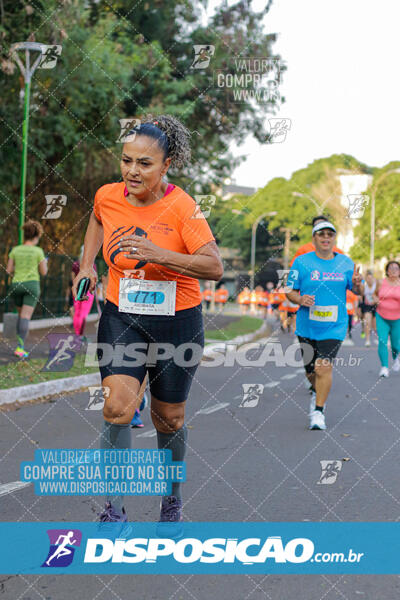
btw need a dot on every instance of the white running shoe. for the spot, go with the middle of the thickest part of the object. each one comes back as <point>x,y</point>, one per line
<point>317,420</point>
<point>396,365</point>
<point>368,343</point>
<point>312,403</point>
<point>384,372</point>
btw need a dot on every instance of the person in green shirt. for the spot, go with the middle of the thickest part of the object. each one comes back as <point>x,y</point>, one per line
<point>26,263</point>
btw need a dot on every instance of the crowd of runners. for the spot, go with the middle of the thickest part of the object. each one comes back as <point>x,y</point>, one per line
<point>157,248</point>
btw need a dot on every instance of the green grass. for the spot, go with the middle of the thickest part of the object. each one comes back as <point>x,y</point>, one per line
<point>26,372</point>
<point>240,327</point>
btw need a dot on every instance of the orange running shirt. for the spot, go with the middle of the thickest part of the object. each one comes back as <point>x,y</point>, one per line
<point>221,296</point>
<point>351,302</point>
<point>168,223</point>
<point>264,298</point>
<point>253,297</point>
<point>244,297</point>
<point>309,247</point>
<point>278,297</point>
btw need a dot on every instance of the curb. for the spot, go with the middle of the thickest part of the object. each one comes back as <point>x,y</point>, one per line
<point>25,393</point>
<point>54,322</point>
<point>55,386</point>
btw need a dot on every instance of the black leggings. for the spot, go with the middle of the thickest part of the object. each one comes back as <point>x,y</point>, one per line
<point>170,348</point>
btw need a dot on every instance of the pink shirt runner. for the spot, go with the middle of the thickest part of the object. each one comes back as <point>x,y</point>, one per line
<point>389,301</point>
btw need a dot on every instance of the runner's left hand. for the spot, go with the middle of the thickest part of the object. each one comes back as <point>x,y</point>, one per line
<point>357,277</point>
<point>140,248</point>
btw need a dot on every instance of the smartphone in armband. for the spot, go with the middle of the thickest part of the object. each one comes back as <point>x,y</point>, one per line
<point>83,288</point>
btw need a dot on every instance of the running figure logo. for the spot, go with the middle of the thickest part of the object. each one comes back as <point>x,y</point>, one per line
<point>278,129</point>
<point>54,206</point>
<point>97,394</point>
<point>49,56</point>
<point>357,204</point>
<point>203,206</point>
<point>134,273</point>
<point>283,283</point>
<point>63,347</point>
<point>203,54</point>
<point>126,126</point>
<point>251,394</point>
<point>330,471</point>
<point>62,547</point>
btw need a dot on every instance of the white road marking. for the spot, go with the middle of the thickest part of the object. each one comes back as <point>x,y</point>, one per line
<point>7,488</point>
<point>268,340</point>
<point>272,384</point>
<point>151,433</point>
<point>289,376</point>
<point>212,409</point>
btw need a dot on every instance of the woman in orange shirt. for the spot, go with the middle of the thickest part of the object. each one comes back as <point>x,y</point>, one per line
<point>351,305</point>
<point>156,244</point>
<point>207,295</point>
<point>244,300</point>
<point>221,296</point>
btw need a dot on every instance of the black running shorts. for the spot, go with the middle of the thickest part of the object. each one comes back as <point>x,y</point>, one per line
<point>314,349</point>
<point>170,348</point>
<point>369,308</point>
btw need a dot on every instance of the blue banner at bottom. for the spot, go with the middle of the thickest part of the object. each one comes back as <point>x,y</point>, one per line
<point>219,548</point>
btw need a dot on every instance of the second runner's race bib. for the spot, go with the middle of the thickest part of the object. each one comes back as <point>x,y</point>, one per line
<point>139,296</point>
<point>325,314</point>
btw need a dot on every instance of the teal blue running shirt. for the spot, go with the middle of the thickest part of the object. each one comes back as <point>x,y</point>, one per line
<point>328,281</point>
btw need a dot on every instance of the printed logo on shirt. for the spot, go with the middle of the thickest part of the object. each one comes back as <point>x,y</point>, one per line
<point>314,275</point>
<point>159,227</point>
<point>134,273</point>
<point>113,248</point>
<point>333,276</point>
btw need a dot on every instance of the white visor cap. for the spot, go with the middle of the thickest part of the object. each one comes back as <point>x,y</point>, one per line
<point>323,225</point>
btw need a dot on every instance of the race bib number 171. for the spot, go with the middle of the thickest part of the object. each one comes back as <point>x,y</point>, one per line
<point>145,297</point>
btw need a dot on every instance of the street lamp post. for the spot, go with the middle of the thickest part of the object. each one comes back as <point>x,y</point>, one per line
<point>27,71</point>
<point>299,195</point>
<point>373,194</point>
<point>286,247</point>
<point>253,243</point>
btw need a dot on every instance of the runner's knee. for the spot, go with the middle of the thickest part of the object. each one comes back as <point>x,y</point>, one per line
<point>119,404</point>
<point>166,422</point>
<point>323,367</point>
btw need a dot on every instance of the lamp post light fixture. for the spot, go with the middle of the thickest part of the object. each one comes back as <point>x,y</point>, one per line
<point>27,71</point>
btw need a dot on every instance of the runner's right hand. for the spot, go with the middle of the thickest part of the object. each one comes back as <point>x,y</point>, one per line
<point>307,300</point>
<point>91,274</point>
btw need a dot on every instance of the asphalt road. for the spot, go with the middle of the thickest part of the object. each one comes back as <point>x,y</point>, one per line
<point>244,464</point>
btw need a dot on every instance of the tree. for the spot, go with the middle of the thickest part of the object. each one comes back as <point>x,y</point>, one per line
<point>119,61</point>
<point>310,191</point>
<point>387,218</point>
